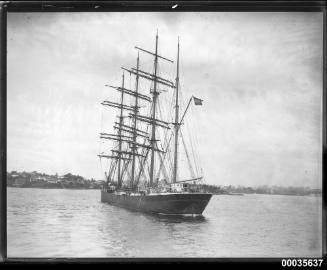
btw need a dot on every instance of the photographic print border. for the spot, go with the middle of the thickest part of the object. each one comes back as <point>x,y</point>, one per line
<point>144,6</point>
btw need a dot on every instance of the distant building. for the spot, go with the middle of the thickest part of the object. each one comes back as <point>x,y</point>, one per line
<point>52,180</point>
<point>18,182</point>
<point>37,179</point>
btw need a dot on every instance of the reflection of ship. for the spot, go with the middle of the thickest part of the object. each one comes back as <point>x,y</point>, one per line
<point>143,164</point>
<point>235,194</point>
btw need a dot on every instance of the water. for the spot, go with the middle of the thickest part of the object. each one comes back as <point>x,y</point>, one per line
<point>74,223</point>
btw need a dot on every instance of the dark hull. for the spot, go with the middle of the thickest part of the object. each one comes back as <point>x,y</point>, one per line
<point>169,204</point>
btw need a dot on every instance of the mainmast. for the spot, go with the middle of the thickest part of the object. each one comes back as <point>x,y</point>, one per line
<point>154,101</point>
<point>150,141</point>
<point>176,124</point>
<point>135,118</point>
<point>119,133</point>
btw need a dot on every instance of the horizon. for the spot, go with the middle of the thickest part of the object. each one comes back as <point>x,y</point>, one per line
<point>259,75</point>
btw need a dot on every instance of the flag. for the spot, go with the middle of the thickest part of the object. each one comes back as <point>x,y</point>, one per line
<point>197,101</point>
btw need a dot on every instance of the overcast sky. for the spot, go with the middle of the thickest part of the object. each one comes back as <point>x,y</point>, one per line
<point>259,74</point>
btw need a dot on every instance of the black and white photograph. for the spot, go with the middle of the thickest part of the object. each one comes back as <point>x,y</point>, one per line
<point>164,134</point>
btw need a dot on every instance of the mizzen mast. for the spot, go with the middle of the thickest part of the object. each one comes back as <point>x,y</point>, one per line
<point>176,124</point>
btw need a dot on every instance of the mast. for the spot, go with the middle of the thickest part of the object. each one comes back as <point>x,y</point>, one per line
<point>135,118</point>
<point>176,124</point>
<point>119,133</point>
<point>154,101</point>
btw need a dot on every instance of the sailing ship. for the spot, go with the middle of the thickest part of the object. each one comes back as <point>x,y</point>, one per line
<point>144,146</point>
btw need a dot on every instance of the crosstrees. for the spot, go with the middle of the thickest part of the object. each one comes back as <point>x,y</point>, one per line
<point>154,54</point>
<point>117,105</point>
<point>132,131</point>
<point>132,128</point>
<point>130,92</point>
<point>158,78</point>
<point>149,120</point>
<point>150,77</point>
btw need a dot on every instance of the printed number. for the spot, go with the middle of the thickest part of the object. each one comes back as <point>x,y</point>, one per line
<point>302,262</point>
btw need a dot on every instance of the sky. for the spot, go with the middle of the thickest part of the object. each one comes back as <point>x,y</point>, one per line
<point>259,75</point>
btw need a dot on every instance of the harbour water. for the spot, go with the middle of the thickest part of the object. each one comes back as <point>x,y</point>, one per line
<point>74,223</point>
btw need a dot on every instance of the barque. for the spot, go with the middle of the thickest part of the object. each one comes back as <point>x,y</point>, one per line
<point>143,161</point>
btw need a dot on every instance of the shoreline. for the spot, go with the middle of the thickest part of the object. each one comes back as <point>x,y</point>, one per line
<point>84,188</point>
<point>229,194</point>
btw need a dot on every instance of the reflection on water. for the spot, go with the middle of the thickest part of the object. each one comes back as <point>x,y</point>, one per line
<point>179,218</point>
<point>74,223</point>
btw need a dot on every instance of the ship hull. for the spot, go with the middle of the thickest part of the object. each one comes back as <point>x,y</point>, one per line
<point>168,204</point>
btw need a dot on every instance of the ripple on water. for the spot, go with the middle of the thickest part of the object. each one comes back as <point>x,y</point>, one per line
<point>74,223</point>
